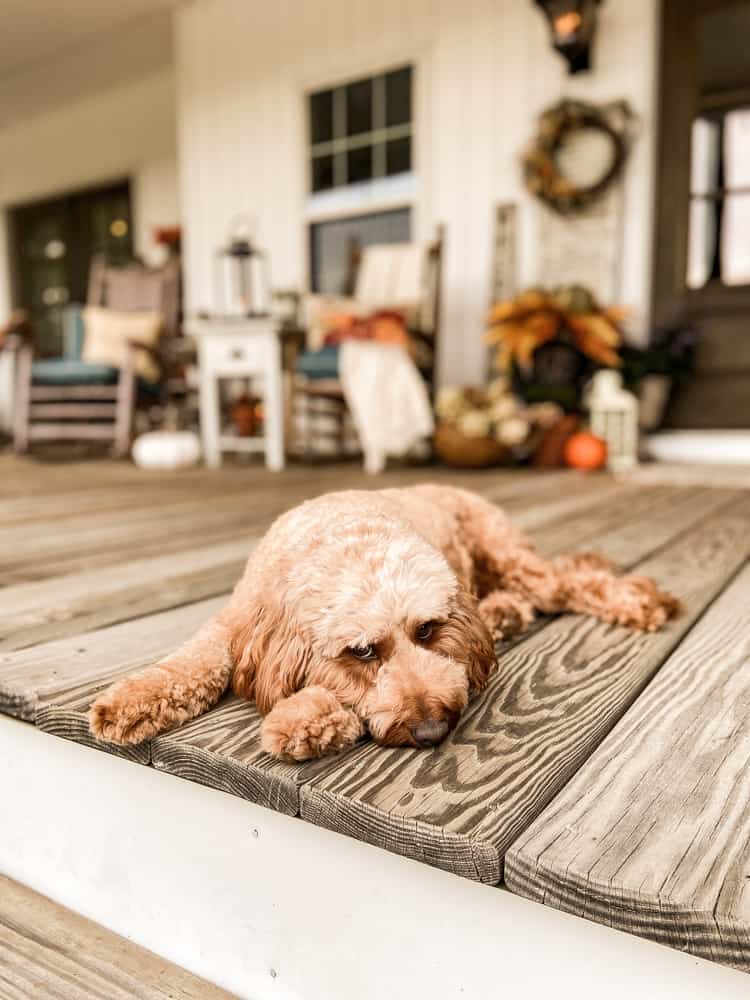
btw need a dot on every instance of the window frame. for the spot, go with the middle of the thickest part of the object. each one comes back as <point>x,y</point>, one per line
<point>384,194</point>
<point>717,196</point>
<point>375,139</point>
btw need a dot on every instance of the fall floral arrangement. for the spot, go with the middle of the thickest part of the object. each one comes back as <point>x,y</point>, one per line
<point>488,425</point>
<point>522,325</point>
<point>554,340</point>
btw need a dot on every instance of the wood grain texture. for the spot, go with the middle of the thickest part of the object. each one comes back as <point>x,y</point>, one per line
<point>47,951</point>
<point>53,685</point>
<point>652,835</point>
<point>33,613</point>
<point>222,750</point>
<point>554,698</point>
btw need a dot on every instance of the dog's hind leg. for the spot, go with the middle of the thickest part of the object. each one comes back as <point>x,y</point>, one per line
<point>178,688</point>
<point>506,562</point>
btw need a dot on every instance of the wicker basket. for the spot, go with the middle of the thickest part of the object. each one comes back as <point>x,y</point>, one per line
<point>454,448</point>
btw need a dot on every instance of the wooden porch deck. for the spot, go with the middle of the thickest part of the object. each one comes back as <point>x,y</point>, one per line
<point>603,772</point>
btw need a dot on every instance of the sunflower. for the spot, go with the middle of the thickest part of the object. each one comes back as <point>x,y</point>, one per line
<point>519,327</point>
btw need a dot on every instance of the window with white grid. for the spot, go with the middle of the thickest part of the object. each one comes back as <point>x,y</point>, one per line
<point>361,131</point>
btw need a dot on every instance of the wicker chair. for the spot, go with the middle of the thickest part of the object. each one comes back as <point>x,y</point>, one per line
<point>384,275</point>
<point>66,399</point>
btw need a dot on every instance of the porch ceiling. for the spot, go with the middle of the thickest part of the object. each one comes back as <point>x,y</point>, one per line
<point>35,31</point>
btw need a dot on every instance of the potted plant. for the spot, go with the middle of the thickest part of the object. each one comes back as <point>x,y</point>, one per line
<point>550,342</point>
<point>653,372</point>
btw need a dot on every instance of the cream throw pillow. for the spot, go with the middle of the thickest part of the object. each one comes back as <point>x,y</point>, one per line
<point>106,335</point>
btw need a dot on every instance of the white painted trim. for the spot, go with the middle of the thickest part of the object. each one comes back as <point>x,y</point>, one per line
<point>272,907</point>
<point>380,195</point>
<point>371,62</point>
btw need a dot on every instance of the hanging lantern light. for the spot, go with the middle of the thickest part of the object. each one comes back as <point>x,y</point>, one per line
<point>572,25</point>
<point>613,416</point>
<point>242,285</point>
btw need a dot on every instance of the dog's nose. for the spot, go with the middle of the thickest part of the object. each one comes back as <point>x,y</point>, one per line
<point>430,732</point>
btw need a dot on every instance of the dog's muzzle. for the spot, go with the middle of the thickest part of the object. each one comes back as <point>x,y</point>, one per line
<point>430,732</point>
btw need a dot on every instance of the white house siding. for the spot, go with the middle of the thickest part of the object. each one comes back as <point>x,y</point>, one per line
<point>126,131</point>
<point>484,70</point>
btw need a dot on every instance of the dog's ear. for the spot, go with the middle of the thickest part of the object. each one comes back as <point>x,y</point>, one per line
<point>467,639</point>
<point>270,656</point>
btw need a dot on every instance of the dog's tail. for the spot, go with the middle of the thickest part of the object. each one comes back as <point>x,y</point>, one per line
<point>175,690</point>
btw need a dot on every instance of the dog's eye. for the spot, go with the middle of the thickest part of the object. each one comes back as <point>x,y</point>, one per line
<point>363,652</point>
<point>424,631</point>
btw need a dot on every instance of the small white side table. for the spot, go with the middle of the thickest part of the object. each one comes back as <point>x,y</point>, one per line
<point>239,348</point>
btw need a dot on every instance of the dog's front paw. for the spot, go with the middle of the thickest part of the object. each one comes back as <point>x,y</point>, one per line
<point>132,711</point>
<point>309,724</point>
<point>640,604</point>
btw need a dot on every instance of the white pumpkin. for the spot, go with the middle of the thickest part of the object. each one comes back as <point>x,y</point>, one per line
<point>166,450</point>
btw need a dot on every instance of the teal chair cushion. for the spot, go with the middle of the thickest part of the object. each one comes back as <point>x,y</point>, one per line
<point>60,371</point>
<point>73,331</point>
<point>320,364</point>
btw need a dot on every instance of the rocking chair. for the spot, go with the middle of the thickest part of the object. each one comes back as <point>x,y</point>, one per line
<point>64,399</point>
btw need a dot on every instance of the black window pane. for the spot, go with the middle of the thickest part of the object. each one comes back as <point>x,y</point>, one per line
<point>322,173</point>
<point>359,165</point>
<point>398,97</point>
<point>398,156</point>
<point>321,116</point>
<point>359,107</point>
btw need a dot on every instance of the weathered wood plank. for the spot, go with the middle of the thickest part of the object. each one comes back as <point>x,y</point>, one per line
<point>48,951</point>
<point>54,684</point>
<point>652,835</point>
<point>64,606</point>
<point>221,749</point>
<point>92,539</point>
<point>553,699</point>
<point>65,672</point>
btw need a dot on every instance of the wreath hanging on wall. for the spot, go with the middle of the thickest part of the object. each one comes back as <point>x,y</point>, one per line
<point>557,127</point>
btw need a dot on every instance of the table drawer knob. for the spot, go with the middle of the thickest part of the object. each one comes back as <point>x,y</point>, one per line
<point>236,354</point>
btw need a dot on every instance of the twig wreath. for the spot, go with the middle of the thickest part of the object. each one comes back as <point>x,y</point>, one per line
<point>557,126</point>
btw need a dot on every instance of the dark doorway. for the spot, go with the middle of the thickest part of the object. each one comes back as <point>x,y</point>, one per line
<point>702,249</point>
<point>52,244</point>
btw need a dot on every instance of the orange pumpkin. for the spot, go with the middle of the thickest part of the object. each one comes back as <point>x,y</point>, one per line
<point>585,450</point>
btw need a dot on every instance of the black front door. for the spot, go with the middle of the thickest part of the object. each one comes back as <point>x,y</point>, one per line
<point>53,242</point>
<point>702,249</point>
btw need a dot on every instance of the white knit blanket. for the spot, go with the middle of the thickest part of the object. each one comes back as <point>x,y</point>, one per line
<point>387,398</point>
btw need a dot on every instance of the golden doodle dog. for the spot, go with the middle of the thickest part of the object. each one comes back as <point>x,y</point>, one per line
<point>370,612</point>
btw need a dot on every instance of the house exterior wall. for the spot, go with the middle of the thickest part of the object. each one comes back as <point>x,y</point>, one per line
<point>484,69</point>
<point>126,131</point>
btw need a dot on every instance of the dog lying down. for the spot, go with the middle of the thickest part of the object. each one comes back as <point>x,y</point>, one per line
<point>370,612</point>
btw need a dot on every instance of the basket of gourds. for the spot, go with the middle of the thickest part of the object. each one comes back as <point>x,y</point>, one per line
<point>480,426</point>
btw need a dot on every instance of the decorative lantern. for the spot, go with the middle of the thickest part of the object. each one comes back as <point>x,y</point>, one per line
<point>572,24</point>
<point>613,416</point>
<point>242,285</point>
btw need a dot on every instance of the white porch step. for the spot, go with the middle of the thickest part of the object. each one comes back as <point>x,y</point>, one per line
<point>272,907</point>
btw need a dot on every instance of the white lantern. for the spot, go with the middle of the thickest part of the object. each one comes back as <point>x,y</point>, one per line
<point>613,416</point>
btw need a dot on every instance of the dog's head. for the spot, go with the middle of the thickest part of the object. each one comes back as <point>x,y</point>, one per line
<point>382,621</point>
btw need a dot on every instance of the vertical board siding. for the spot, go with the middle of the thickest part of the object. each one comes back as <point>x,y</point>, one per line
<point>484,69</point>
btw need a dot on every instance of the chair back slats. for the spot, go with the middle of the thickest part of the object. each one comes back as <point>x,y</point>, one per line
<point>137,288</point>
